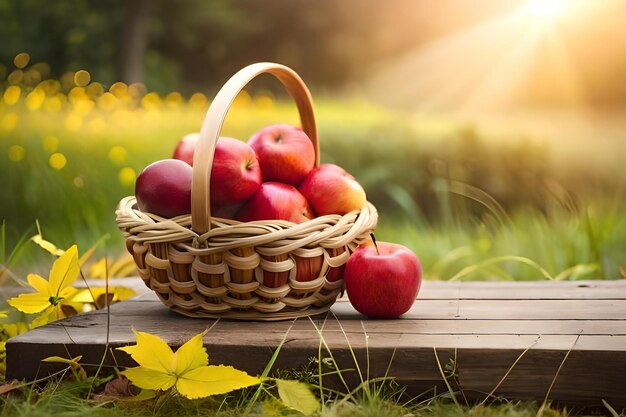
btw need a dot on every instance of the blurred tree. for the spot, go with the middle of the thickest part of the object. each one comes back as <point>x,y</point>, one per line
<point>191,45</point>
<point>134,41</point>
<point>69,34</point>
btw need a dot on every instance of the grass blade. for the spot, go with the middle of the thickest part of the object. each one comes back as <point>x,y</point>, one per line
<point>477,267</point>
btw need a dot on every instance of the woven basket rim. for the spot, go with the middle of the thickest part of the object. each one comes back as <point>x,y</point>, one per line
<point>329,231</point>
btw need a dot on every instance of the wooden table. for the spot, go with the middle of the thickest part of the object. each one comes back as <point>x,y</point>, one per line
<point>519,337</point>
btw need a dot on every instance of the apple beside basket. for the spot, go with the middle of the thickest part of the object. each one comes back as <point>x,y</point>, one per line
<point>202,266</point>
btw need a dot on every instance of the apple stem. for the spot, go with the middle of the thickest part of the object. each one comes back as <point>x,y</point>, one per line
<point>375,244</point>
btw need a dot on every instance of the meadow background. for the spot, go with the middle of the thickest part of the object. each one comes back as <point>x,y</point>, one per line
<point>492,157</point>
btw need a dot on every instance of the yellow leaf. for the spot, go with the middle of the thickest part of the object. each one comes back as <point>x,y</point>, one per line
<point>44,318</point>
<point>3,314</point>
<point>67,294</point>
<point>50,247</point>
<point>77,369</point>
<point>213,380</point>
<point>83,259</point>
<point>40,284</point>
<point>87,255</point>
<point>297,395</point>
<point>48,316</point>
<point>124,266</point>
<point>129,269</point>
<point>121,265</point>
<point>65,270</point>
<point>191,355</point>
<point>128,349</point>
<point>52,313</point>
<point>73,361</point>
<point>123,293</point>
<point>15,329</point>
<point>151,352</point>
<point>30,303</point>
<point>84,296</point>
<point>50,293</point>
<point>149,378</point>
<point>98,269</point>
<point>160,368</point>
<point>88,295</point>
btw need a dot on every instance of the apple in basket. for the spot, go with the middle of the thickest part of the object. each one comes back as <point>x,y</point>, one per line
<point>276,201</point>
<point>235,174</point>
<point>331,190</point>
<point>164,188</point>
<point>383,279</point>
<point>186,147</point>
<point>285,153</point>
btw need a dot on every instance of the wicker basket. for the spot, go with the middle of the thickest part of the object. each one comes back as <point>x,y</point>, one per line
<point>201,266</point>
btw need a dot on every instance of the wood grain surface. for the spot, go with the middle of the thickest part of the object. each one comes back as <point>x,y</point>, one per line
<point>482,327</point>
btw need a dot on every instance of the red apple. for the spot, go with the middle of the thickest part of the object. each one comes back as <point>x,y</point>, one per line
<point>164,188</point>
<point>331,190</point>
<point>383,283</point>
<point>236,174</point>
<point>285,153</point>
<point>276,201</point>
<point>307,269</point>
<point>186,147</point>
<point>228,211</point>
<point>335,273</point>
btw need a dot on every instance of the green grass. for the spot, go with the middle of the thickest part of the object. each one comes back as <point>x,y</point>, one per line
<point>457,196</point>
<point>69,398</point>
<point>567,245</point>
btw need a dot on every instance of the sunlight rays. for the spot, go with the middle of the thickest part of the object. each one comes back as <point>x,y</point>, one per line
<point>547,9</point>
<point>512,61</point>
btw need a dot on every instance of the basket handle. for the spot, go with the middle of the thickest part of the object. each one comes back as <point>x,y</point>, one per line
<point>212,126</point>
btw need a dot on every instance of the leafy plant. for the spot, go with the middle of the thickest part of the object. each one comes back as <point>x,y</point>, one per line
<point>52,294</point>
<point>188,373</point>
<point>187,369</point>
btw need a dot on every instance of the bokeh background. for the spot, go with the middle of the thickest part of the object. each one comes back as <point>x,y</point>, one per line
<point>490,135</point>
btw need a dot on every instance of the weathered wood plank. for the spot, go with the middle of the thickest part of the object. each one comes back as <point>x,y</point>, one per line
<point>477,290</point>
<point>505,309</point>
<point>544,290</point>
<point>446,290</point>
<point>533,290</point>
<point>483,336</point>
<point>151,317</point>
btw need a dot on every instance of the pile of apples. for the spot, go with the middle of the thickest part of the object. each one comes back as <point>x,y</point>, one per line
<point>272,177</point>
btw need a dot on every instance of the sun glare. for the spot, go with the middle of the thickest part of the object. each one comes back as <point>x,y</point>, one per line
<point>547,9</point>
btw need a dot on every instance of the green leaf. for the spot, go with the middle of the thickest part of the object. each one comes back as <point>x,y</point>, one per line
<point>611,409</point>
<point>297,395</point>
